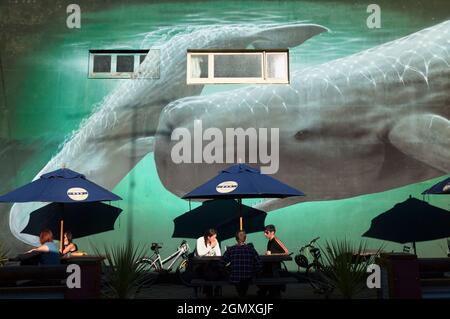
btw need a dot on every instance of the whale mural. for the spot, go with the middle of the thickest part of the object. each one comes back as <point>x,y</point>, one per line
<point>366,123</point>
<point>121,131</point>
<point>363,122</point>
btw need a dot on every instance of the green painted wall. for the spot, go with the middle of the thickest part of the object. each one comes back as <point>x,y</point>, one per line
<point>46,94</point>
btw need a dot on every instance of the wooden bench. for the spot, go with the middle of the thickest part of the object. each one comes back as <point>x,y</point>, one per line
<point>434,277</point>
<point>435,265</point>
<point>262,281</point>
<point>275,281</point>
<point>33,282</point>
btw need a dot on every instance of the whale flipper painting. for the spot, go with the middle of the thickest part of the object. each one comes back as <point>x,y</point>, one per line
<point>424,137</point>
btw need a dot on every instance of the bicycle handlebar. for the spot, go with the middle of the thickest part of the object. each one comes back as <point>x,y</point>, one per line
<point>159,244</point>
<point>314,240</point>
<point>310,244</point>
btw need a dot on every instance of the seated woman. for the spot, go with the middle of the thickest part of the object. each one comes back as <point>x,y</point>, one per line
<point>69,246</point>
<point>208,245</point>
<point>49,252</point>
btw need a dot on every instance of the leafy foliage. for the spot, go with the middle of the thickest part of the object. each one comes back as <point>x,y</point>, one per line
<point>345,266</point>
<point>123,275</point>
<point>3,254</point>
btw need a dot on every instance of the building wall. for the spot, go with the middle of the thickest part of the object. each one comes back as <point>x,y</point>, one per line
<point>52,113</point>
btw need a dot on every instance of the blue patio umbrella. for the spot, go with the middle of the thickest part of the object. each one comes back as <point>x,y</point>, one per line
<point>83,219</point>
<point>62,186</point>
<point>242,181</point>
<point>411,221</point>
<point>441,188</point>
<point>220,214</point>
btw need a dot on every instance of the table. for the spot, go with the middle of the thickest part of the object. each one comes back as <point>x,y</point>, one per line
<point>264,259</point>
<point>366,255</point>
<point>271,276</point>
<point>271,263</point>
<point>91,273</point>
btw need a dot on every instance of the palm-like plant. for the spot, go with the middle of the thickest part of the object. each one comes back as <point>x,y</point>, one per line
<point>345,266</point>
<point>448,247</point>
<point>124,276</point>
<point>3,255</point>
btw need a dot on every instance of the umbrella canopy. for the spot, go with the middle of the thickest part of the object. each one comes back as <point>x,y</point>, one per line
<point>60,186</point>
<point>82,219</point>
<point>220,214</point>
<point>243,181</point>
<point>411,221</point>
<point>443,187</point>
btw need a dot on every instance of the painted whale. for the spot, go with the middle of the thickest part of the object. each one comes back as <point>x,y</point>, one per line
<point>366,123</point>
<point>120,132</point>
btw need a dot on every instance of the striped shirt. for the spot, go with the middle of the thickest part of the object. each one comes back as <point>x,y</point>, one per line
<point>275,246</point>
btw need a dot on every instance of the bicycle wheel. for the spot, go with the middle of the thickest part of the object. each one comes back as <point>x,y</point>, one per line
<point>151,267</point>
<point>150,263</point>
<point>317,279</point>
<point>184,273</point>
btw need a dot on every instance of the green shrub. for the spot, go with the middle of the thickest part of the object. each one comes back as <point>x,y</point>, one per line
<point>3,254</point>
<point>345,266</point>
<point>123,275</point>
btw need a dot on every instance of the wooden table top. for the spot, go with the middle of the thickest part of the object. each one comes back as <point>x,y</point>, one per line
<point>85,258</point>
<point>264,258</point>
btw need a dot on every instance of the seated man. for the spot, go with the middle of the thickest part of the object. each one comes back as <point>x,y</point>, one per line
<point>274,245</point>
<point>244,263</point>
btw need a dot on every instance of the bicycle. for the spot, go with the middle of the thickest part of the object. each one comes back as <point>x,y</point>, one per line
<point>155,263</point>
<point>315,270</point>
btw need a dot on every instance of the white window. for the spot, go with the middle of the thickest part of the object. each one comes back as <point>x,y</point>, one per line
<point>244,66</point>
<point>123,64</point>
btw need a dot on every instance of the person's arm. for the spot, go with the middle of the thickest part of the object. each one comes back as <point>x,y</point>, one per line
<point>42,248</point>
<point>217,250</point>
<point>202,249</point>
<point>258,263</point>
<point>69,248</point>
<point>281,249</point>
<point>268,252</point>
<point>226,258</point>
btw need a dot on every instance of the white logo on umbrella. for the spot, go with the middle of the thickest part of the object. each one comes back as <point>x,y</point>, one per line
<point>226,187</point>
<point>446,188</point>
<point>77,193</point>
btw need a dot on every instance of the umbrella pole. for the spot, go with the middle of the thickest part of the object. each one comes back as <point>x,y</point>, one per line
<point>241,226</point>
<point>414,246</point>
<point>61,230</point>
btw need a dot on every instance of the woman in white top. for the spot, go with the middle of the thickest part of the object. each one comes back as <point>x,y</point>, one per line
<point>208,245</point>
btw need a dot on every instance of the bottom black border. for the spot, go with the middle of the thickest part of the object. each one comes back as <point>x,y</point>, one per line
<point>248,308</point>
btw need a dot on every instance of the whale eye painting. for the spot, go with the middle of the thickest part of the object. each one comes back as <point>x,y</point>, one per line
<point>326,119</point>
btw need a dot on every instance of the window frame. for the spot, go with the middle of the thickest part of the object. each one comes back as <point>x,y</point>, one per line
<point>113,74</point>
<point>241,80</point>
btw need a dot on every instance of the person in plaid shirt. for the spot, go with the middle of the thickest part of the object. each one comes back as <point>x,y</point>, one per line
<point>244,263</point>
